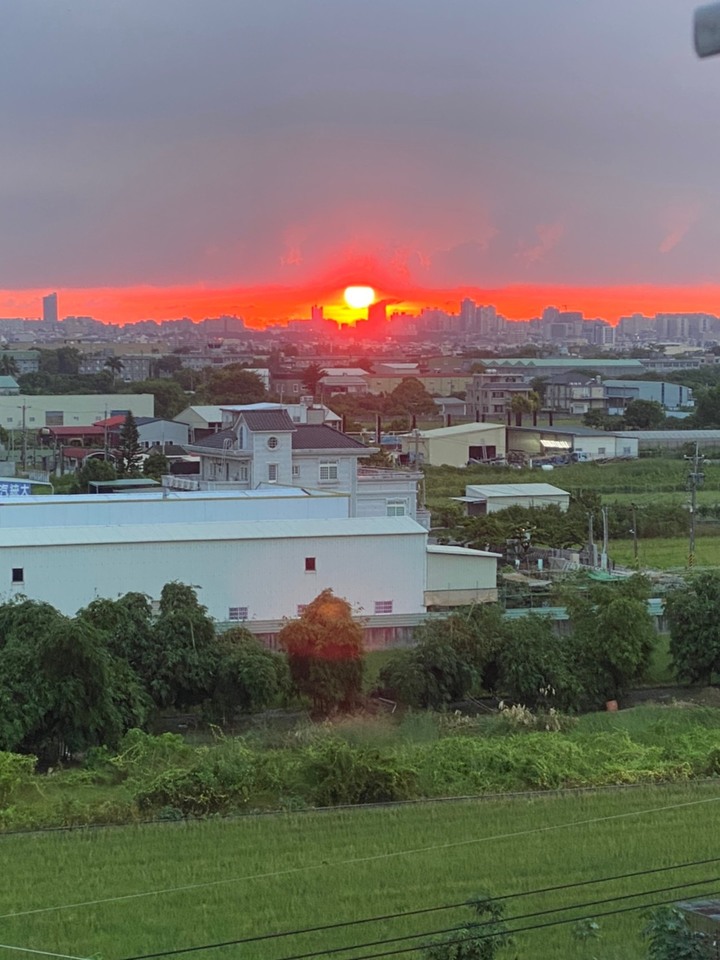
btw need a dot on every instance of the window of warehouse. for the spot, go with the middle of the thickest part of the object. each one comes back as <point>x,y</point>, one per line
<point>396,508</point>
<point>18,575</point>
<point>238,613</point>
<point>383,606</point>
<point>328,470</point>
<point>310,565</point>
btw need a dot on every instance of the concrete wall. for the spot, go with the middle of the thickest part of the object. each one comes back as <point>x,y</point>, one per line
<point>78,410</point>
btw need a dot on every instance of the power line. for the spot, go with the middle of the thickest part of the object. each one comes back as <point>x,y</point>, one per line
<point>408,913</point>
<point>487,936</point>
<point>372,858</point>
<point>42,953</point>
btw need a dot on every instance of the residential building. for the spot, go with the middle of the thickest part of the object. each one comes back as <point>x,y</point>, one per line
<point>261,444</point>
<point>26,361</point>
<point>50,308</point>
<point>490,394</point>
<point>9,387</point>
<point>574,393</point>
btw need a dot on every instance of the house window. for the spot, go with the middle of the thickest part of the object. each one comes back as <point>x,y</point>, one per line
<point>272,443</point>
<point>237,613</point>
<point>295,470</point>
<point>310,565</point>
<point>296,388</point>
<point>383,606</point>
<point>328,470</point>
<point>301,608</point>
<point>18,575</point>
<point>601,450</point>
<point>396,508</point>
<point>243,473</point>
<point>272,472</point>
<point>54,418</point>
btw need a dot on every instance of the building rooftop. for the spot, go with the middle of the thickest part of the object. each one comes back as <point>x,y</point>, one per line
<point>460,551</point>
<point>259,421</point>
<point>690,435</point>
<point>206,411</point>
<point>318,436</point>
<point>222,440</point>
<point>210,531</point>
<point>457,430</point>
<point>486,490</point>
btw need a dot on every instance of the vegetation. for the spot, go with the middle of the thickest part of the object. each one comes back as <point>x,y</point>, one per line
<point>129,450</point>
<point>163,886</point>
<point>693,614</point>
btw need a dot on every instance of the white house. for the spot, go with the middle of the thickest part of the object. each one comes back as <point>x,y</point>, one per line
<point>260,444</point>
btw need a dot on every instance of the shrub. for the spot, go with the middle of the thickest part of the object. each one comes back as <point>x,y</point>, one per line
<point>15,771</point>
<point>339,773</point>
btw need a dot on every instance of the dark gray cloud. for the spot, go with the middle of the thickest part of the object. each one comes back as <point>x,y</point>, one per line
<point>490,142</point>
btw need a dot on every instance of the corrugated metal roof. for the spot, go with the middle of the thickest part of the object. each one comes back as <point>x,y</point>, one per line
<point>460,551</point>
<point>318,436</point>
<point>216,441</point>
<point>272,491</point>
<point>457,430</point>
<point>514,490</point>
<point>208,412</point>
<point>169,533</point>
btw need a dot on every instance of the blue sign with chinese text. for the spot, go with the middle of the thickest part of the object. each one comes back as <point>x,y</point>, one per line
<point>10,487</point>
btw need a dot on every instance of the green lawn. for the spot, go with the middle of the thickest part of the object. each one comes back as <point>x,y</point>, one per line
<point>163,887</point>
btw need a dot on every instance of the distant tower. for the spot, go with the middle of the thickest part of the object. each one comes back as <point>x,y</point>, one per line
<point>468,314</point>
<point>50,308</point>
<point>316,314</point>
<point>377,313</point>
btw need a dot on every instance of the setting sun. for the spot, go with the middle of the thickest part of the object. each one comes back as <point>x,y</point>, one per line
<point>359,297</point>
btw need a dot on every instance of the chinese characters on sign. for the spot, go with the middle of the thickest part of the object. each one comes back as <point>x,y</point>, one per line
<point>15,488</point>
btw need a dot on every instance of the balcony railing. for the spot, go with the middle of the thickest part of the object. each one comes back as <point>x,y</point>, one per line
<point>378,473</point>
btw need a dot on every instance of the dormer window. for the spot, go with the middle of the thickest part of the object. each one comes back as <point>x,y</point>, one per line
<point>272,442</point>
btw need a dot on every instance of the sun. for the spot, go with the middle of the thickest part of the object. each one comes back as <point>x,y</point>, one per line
<point>359,297</point>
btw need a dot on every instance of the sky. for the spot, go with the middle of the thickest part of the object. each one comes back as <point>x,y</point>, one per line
<point>175,158</point>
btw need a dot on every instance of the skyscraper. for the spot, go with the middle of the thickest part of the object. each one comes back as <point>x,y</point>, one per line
<point>50,308</point>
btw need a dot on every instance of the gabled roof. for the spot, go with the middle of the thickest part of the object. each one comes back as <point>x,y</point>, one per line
<point>318,436</point>
<point>259,421</point>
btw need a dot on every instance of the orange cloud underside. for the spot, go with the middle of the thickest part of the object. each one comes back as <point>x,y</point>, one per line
<point>262,304</point>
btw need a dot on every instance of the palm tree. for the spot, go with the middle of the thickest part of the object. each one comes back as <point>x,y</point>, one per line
<point>523,403</point>
<point>115,366</point>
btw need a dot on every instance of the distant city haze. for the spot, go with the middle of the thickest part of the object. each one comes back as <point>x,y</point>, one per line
<point>174,159</point>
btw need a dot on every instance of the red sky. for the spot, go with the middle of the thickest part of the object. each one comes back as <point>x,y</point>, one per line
<point>261,304</point>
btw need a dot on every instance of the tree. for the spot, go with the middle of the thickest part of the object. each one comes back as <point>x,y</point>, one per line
<point>411,398</point>
<point>601,420</point>
<point>156,465</point>
<point>644,415</point>
<point>613,634</point>
<point>126,625</point>
<point>184,651</point>
<point>233,384</point>
<point>706,415</point>
<point>129,450</point>
<point>451,658</point>
<point>115,366</point>
<point>248,676</point>
<point>311,377</point>
<point>479,939</point>
<point>93,469</point>
<point>693,614</point>
<point>536,667</point>
<point>325,653</point>
<point>8,365</point>
<point>169,396</point>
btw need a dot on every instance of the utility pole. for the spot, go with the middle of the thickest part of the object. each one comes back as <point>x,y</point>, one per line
<point>604,555</point>
<point>591,543</point>
<point>634,533</point>
<point>24,439</point>
<point>696,478</point>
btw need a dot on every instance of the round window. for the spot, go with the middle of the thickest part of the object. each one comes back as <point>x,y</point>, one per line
<point>272,442</point>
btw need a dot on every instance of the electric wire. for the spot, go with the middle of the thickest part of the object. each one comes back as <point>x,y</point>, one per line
<point>351,861</point>
<point>42,953</point>
<point>429,933</point>
<point>487,936</point>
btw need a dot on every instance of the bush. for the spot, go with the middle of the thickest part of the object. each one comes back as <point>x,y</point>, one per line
<point>339,773</point>
<point>15,772</point>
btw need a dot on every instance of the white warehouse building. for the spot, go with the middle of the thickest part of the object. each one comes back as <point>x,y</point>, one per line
<point>255,556</point>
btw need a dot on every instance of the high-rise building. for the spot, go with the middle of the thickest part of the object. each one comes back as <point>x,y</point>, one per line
<point>50,308</point>
<point>468,313</point>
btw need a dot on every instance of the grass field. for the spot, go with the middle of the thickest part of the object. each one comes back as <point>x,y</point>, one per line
<point>118,892</point>
<point>667,553</point>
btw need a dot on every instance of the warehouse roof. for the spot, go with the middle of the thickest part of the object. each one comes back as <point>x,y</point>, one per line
<point>458,430</point>
<point>460,551</point>
<point>690,435</point>
<point>210,531</point>
<point>485,491</point>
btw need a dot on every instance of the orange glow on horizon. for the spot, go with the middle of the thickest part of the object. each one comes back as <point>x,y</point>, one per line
<point>260,305</point>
